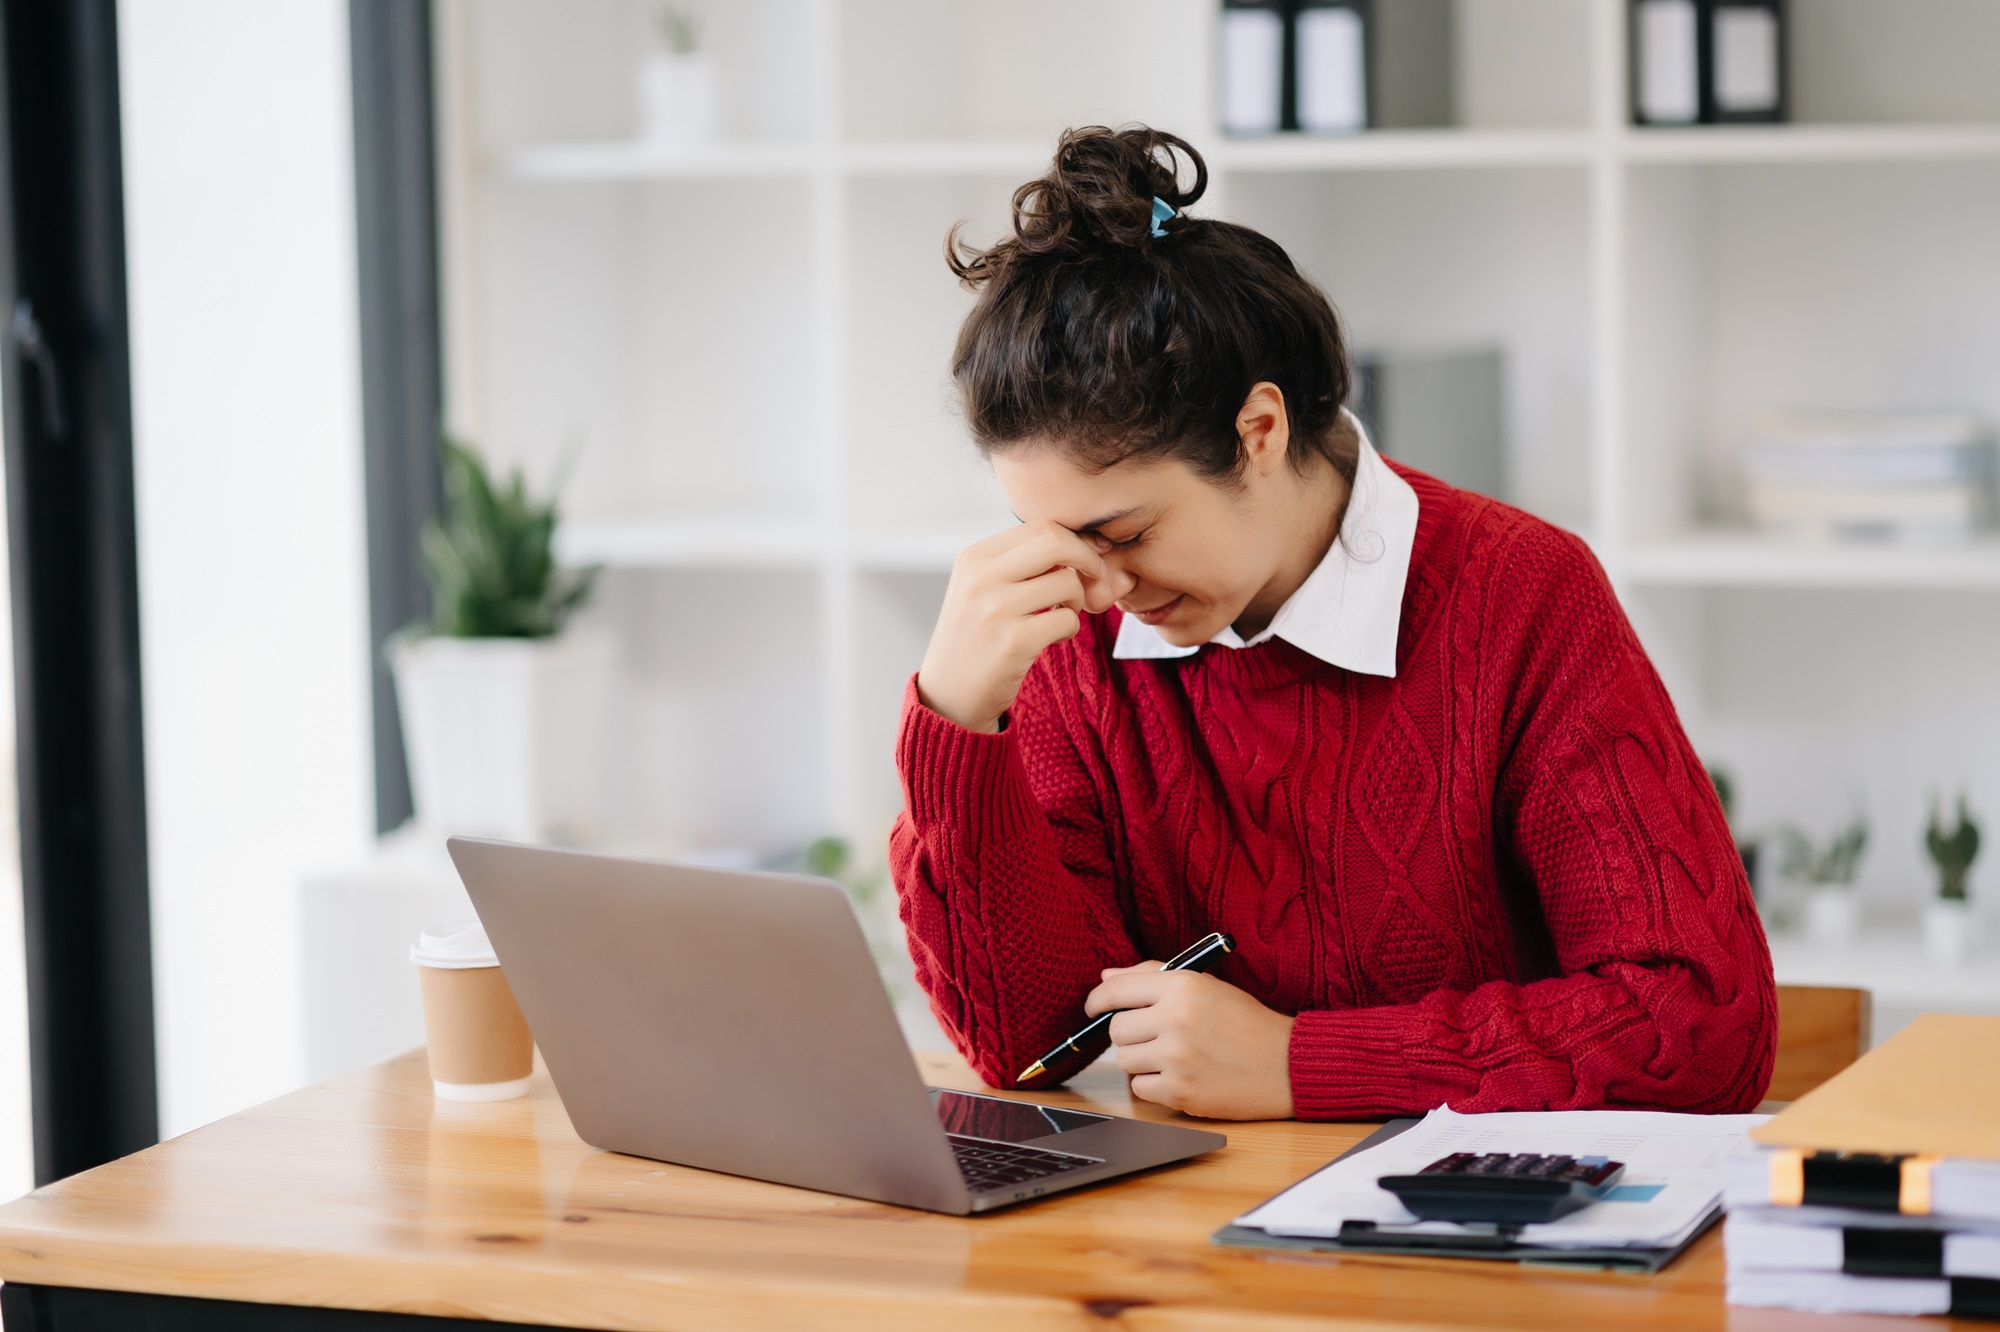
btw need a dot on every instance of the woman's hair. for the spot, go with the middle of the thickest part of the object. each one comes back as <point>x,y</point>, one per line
<point>1097,336</point>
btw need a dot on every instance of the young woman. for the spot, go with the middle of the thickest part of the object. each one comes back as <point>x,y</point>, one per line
<point>1235,671</point>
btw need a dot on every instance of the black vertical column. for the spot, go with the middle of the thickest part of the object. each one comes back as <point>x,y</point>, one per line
<point>68,419</point>
<point>395,191</point>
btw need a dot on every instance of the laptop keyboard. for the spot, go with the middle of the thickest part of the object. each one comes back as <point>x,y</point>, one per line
<point>999,1165</point>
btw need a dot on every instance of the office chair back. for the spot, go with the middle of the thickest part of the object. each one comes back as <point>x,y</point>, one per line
<point>1821,1030</point>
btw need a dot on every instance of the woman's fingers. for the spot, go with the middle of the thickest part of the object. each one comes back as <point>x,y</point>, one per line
<point>1128,989</point>
<point>1052,626</point>
<point>1139,1057</point>
<point>1041,546</point>
<point>1135,1025</point>
<point>1157,1088</point>
<point>1057,587</point>
<point>1149,964</point>
<point>1011,596</point>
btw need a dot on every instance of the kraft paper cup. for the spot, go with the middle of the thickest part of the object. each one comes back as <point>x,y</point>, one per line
<point>479,1045</point>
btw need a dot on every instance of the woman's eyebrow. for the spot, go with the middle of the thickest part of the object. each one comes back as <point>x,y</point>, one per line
<point>1107,520</point>
<point>1094,524</point>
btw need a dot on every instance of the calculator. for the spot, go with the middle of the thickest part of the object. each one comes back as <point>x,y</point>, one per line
<point>1504,1188</point>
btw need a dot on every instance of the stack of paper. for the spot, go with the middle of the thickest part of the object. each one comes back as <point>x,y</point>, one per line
<point>1879,1192</point>
<point>1920,476</point>
<point>1671,1189</point>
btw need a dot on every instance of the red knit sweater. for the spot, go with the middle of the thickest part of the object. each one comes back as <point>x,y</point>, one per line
<point>1498,881</point>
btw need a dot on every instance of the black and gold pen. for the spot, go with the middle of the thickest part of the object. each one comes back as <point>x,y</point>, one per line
<point>1202,954</point>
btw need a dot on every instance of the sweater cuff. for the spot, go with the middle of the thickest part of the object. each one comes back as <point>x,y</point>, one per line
<point>1354,1063</point>
<point>952,775</point>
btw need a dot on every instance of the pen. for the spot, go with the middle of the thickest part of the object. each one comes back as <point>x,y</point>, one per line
<point>1202,954</point>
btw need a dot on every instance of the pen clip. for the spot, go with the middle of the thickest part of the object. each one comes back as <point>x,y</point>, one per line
<point>1196,949</point>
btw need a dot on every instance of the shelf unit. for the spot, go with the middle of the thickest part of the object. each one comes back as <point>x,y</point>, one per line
<point>1901,978</point>
<point>617,160</point>
<point>1731,560</point>
<point>743,346</point>
<point>757,541</point>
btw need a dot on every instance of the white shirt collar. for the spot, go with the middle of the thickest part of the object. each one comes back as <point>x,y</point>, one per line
<point>1349,610</point>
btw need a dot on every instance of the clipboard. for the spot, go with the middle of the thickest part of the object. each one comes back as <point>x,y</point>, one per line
<point>1489,1248</point>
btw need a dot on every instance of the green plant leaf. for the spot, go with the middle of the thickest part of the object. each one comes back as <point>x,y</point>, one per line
<point>1725,791</point>
<point>490,557</point>
<point>828,857</point>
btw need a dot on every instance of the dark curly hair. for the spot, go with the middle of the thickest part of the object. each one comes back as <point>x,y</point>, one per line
<point>1095,335</point>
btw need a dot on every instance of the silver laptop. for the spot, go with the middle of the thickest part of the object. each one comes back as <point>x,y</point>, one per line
<point>735,1021</point>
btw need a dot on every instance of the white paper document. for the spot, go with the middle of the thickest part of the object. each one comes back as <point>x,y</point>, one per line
<point>1767,1239</point>
<point>1672,1180</point>
<point>1836,1292</point>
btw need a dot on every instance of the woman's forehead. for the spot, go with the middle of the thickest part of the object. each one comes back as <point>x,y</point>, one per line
<point>1043,481</point>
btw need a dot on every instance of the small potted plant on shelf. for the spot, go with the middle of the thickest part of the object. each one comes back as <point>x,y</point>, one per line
<point>832,858</point>
<point>503,708</point>
<point>1746,850</point>
<point>1827,873</point>
<point>1947,917</point>
<point>676,90</point>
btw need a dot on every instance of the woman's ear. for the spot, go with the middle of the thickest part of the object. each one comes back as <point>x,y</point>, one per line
<point>1264,428</point>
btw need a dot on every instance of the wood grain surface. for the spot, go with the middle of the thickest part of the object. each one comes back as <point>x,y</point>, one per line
<point>365,1192</point>
<point>1821,1030</point>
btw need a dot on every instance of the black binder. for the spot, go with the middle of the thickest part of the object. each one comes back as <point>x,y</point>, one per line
<point>1709,62</point>
<point>1743,62</point>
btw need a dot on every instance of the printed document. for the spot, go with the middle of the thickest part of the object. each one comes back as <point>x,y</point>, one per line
<point>1672,1181</point>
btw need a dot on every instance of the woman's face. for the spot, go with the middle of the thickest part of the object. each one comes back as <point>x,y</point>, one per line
<point>1184,554</point>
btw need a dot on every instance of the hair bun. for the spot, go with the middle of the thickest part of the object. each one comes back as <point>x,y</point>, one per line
<point>1098,194</point>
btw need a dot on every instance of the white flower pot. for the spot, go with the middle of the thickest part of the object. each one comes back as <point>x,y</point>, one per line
<point>1947,929</point>
<point>1831,915</point>
<point>676,99</point>
<point>506,736</point>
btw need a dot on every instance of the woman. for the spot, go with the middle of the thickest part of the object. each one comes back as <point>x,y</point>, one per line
<point>1236,672</point>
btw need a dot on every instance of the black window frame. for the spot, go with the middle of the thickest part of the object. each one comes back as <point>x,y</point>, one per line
<point>67,384</point>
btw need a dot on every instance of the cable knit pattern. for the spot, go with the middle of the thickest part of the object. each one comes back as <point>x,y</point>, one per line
<point>1499,881</point>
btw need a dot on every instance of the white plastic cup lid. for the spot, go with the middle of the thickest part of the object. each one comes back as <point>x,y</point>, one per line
<point>458,946</point>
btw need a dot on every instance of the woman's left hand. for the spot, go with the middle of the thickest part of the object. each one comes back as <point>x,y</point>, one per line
<point>1197,1044</point>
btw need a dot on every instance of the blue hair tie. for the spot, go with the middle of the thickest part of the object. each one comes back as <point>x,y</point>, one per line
<point>1162,212</point>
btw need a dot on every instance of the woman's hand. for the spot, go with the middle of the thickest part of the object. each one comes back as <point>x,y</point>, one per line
<point>1197,1044</point>
<point>1011,595</point>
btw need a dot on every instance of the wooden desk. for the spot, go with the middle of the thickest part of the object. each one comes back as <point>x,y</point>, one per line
<point>364,1193</point>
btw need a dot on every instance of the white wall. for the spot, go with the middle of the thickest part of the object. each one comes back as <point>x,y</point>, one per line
<point>240,232</point>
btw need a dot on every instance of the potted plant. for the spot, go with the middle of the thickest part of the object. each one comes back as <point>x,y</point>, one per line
<point>503,711</point>
<point>832,858</point>
<point>1947,917</point>
<point>676,90</point>
<point>1827,873</point>
<point>1746,850</point>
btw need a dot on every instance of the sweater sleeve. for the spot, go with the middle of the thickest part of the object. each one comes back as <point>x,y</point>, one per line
<point>1664,996</point>
<point>1004,878</point>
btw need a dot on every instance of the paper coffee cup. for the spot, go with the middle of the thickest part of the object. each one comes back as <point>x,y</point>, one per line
<point>479,1045</point>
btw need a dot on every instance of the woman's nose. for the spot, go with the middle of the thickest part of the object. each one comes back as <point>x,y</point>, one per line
<point>1100,593</point>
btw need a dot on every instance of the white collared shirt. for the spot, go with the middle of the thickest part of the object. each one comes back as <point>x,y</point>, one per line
<point>1349,610</point>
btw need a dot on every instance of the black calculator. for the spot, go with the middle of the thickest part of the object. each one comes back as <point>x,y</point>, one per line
<point>1506,1189</point>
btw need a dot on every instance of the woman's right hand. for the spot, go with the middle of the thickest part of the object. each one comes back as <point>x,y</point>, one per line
<point>1010,596</point>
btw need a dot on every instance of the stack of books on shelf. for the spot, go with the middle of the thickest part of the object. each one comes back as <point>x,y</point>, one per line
<point>1923,476</point>
<point>1879,1191</point>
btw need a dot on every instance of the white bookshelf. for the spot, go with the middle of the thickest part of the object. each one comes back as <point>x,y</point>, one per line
<point>744,349</point>
<point>1780,145</point>
<point>616,160</point>
<point>726,540</point>
<point>1723,560</point>
<point>1902,979</point>
<point>758,541</point>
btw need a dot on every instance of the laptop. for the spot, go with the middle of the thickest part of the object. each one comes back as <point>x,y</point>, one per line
<point>734,1021</point>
